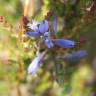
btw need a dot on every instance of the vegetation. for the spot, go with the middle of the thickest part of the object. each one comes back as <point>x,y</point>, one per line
<point>68,19</point>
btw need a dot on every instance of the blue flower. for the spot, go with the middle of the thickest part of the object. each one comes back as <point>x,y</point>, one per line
<point>43,26</point>
<point>80,54</point>
<point>51,42</point>
<point>60,42</point>
<point>64,43</point>
<point>75,57</point>
<point>39,27</point>
<point>35,64</point>
<point>42,30</point>
<point>48,41</point>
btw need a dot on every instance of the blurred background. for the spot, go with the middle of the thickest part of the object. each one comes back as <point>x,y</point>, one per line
<point>73,19</point>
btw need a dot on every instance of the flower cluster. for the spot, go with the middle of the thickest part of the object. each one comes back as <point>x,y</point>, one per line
<point>41,30</point>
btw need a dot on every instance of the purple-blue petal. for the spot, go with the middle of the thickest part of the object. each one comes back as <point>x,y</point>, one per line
<point>64,43</point>
<point>80,54</point>
<point>32,34</point>
<point>33,67</point>
<point>75,57</point>
<point>55,23</point>
<point>43,26</point>
<point>49,43</point>
<point>35,64</point>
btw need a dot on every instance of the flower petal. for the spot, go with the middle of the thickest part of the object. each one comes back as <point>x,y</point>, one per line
<point>33,25</point>
<point>35,64</point>
<point>44,26</point>
<point>64,43</point>
<point>75,57</point>
<point>49,43</point>
<point>80,54</point>
<point>32,34</point>
<point>55,23</point>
